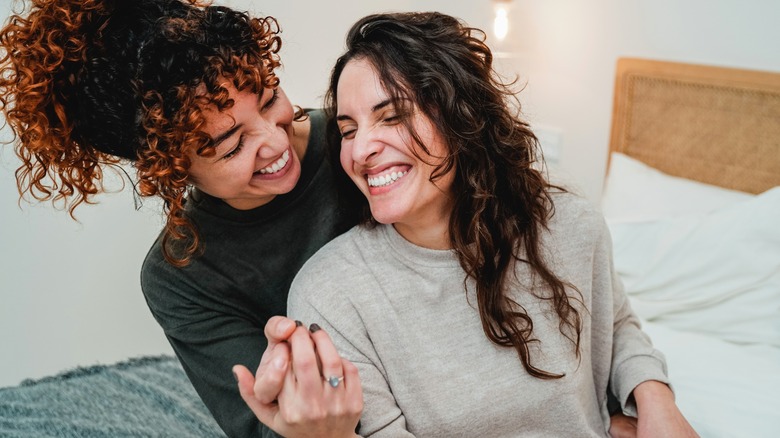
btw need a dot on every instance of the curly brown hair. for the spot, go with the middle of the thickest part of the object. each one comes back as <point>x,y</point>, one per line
<point>502,202</point>
<point>88,84</point>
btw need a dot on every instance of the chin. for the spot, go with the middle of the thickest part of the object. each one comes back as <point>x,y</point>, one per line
<point>383,216</point>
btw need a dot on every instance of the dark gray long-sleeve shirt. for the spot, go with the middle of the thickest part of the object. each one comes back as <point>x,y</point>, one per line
<point>213,311</point>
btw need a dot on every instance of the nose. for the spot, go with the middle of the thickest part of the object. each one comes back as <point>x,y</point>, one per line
<point>366,145</point>
<point>275,140</point>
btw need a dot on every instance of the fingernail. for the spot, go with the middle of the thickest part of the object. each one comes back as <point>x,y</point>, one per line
<point>298,323</point>
<point>280,363</point>
<point>314,328</point>
<point>235,376</point>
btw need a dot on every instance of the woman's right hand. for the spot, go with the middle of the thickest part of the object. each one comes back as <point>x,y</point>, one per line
<point>309,405</point>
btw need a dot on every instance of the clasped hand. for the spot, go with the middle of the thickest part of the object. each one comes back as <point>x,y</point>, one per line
<point>303,387</point>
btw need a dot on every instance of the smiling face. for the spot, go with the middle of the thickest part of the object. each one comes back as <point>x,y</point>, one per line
<point>255,159</point>
<point>378,154</point>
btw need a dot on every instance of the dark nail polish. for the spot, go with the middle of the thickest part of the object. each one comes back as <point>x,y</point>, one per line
<point>314,328</point>
<point>298,323</point>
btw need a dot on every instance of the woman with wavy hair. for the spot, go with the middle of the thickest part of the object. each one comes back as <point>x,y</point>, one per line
<point>475,298</point>
<point>187,92</point>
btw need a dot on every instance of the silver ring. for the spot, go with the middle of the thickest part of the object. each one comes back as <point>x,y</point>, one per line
<point>334,380</point>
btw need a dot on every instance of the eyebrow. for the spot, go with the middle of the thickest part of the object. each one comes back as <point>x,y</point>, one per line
<point>374,108</point>
<point>227,134</point>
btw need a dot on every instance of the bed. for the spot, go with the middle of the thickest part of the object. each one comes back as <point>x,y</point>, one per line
<point>146,396</point>
<point>692,202</point>
<point>692,199</point>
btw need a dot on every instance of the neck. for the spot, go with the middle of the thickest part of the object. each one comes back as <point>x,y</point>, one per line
<point>433,235</point>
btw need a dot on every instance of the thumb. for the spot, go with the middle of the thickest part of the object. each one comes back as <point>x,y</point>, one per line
<point>278,329</point>
<point>246,382</point>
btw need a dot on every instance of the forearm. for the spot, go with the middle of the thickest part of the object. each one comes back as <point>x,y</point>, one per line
<point>210,374</point>
<point>650,393</point>
<point>634,359</point>
<point>658,415</point>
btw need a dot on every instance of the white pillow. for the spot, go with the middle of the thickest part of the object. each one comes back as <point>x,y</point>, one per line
<point>717,273</point>
<point>634,191</point>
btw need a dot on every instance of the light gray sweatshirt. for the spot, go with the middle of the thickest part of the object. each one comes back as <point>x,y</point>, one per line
<point>401,313</point>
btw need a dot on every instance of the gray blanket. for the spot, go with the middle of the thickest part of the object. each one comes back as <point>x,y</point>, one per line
<point>142,397</point>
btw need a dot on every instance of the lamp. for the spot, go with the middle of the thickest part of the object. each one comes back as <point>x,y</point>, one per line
<point>503,44</point>
<point>501,19</point>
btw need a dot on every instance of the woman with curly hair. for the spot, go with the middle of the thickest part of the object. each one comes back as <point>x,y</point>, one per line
<point>475,298</point>
<point>187,92</point>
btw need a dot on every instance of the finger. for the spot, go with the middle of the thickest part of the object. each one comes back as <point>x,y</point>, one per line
<point>328,356</point>
<point>278,329</point>
<point>354,392</point>
<point>289,395</point>
<point>264,412</point>
<point>270,379</point>
<point>304,362</point>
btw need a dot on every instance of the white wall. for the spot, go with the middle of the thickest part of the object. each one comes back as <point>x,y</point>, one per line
<point>69,292</point>
<point>564,50</point>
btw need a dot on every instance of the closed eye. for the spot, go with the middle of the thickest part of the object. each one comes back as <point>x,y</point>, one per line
<point>392,120</point>
<point>272,100</point>
<point>235,150</point>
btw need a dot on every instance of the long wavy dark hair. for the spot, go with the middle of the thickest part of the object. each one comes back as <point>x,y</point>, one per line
<point>86,84</point>
<point>502,202</point>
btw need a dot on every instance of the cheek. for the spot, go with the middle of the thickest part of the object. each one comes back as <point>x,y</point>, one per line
<point>285,108</point>
<point>347,164</point>
<point>345,156</point>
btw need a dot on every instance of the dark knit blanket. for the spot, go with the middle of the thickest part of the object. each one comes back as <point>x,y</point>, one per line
<point>142,397</point>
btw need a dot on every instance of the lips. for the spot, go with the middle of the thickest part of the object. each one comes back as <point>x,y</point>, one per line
<point>276,165</point>
<point>385,179</point>
<point>385,175</point>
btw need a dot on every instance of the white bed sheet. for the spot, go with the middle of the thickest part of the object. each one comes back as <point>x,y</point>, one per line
<point>701,266</point>
<point>725,390</point>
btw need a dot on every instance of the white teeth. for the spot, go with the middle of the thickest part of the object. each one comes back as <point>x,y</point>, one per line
<point>278,164</point>
<point>385,180</point>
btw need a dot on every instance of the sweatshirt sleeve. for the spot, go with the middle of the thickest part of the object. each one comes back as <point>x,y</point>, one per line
<point>208,343</point>
<point>321,294</point>
<point>634,359</point>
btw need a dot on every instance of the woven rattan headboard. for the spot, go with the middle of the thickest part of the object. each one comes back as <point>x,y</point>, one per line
<point>711,124</point>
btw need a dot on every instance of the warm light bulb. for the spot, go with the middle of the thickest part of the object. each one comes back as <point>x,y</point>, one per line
<point>501,22</point>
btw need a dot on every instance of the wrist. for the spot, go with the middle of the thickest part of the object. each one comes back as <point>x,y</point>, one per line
<point>652,391</point>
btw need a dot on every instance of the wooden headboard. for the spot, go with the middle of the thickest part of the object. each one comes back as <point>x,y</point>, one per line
<point>716,125</point>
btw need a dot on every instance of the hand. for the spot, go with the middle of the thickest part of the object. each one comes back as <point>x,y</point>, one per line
<point>657,414</point>
<point>308,406</point>
<point>272,369</point>
<point>622,426</point>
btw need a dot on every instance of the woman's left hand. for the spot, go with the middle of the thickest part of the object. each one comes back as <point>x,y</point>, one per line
<point>622,426</point>
<point>321,396</point>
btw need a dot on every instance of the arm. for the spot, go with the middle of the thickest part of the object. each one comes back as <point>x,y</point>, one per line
<point>208,343</point>
<point>639,374</point>
<point>313,301</point>
<point>634,359</point>
<point>658,414</point>
<point>208,360</point>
